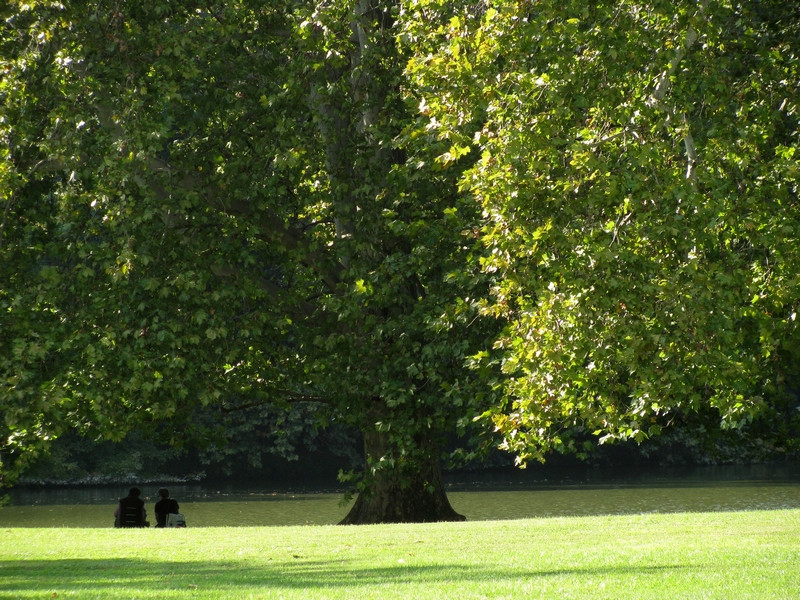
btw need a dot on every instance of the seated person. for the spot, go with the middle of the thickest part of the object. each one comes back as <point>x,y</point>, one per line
<point>130,511</point>
<point>164,507</point>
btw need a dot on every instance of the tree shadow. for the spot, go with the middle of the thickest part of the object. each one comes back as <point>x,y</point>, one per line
<point>32,578</point>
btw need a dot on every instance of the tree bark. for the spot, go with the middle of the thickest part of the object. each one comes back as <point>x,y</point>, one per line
<point>410,491</point>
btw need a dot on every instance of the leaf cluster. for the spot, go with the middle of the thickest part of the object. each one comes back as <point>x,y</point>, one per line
<point>638,172</point>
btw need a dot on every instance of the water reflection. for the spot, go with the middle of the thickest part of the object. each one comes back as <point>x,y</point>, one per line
<point>584,501</point>
<point>596,492</point>
<point>509,495</point>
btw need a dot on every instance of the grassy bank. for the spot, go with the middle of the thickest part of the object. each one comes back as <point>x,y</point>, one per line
<point>685,555</point>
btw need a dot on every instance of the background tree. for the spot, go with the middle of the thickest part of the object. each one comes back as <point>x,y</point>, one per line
<point>260,445</point>
<point>639,170</point>
<point>231,203</point>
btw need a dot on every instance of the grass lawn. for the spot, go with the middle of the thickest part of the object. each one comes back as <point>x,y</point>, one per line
<point>726,555</point>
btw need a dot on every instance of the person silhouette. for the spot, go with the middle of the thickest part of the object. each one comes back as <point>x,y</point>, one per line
<point>165,506</point>
<point>130,511</point>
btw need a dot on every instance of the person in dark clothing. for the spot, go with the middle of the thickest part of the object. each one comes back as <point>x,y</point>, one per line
<point>130,510</point>
<point>164,507</point>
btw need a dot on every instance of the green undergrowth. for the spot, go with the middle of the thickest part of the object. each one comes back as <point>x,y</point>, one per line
<point>683,555</point>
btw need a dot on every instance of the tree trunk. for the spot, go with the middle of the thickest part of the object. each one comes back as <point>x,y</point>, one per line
<point>409,492</point>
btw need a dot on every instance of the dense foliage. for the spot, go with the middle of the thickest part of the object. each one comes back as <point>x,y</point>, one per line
<point>229,204</point>
<point>638,168</point>
<point>236,203</point>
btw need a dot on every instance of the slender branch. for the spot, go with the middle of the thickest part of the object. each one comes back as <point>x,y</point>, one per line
<point>6,212</point>
<point>287,396</point>
<point>691,152</point>
<point>306,226</point>
<point>664,84</point>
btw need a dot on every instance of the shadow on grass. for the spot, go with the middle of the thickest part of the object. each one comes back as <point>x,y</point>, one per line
<point>93,576</point>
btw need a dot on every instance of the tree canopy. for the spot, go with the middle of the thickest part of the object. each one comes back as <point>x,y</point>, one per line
<point>229,204</point>
<point>573,219</point>
<point>638,170</point>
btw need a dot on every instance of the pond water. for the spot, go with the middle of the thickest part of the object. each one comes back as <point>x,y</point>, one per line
<point>481,496</point>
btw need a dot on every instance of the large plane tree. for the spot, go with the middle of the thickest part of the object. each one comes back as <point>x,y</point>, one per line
<point>232,203</point>
<point>229,203</point>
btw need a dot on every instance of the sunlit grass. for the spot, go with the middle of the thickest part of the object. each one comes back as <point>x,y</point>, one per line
<point>685,555</point>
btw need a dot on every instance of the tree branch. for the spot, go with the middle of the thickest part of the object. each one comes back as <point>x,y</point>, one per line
<point>664,84</point>
<point>691,152</point>
<point>287,396</point>
<point>6,212</point>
